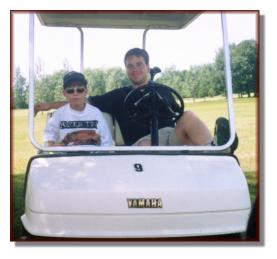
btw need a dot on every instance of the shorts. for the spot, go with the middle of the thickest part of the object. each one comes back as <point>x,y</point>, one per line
<point>167,137</point>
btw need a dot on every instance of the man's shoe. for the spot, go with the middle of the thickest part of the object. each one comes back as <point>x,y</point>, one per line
<point>222,134</point>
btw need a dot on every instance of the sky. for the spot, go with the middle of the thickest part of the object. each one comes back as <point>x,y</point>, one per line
<point>197,44</point>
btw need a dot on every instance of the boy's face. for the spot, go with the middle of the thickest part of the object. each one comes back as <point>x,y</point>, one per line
<point>137,70</point>
<point>75,94</point>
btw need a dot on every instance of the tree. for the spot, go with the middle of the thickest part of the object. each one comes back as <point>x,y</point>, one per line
<point>19,91</point>
<point>49,87</point>
<point>173,78</point>
<point>199,81</point>
<point>243,66</point>
<point>96,81</point>
<point>115,78</point>
<point>192,82</point>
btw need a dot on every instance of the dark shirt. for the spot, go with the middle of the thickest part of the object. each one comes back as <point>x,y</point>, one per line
<point>113,103</point>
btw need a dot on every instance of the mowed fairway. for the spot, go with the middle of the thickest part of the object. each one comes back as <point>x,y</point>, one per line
<point>245,123</point>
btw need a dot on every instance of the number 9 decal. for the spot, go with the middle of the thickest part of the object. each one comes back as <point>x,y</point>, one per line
<point>138,167</point>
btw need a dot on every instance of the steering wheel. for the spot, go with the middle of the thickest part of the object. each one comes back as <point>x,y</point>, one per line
<point>156,100</point>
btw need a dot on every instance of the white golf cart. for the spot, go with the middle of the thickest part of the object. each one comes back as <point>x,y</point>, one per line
<point>126,191</point>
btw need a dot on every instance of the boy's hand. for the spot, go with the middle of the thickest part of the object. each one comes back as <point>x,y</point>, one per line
<point>82,137</point>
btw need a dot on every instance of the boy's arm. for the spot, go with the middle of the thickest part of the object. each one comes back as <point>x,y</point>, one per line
<point>48,106</point>
<point>51,131</point>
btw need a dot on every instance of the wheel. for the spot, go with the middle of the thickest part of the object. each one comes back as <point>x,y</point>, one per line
<point>25,235</point>
<point>153,100</point>
<point>252,227</point>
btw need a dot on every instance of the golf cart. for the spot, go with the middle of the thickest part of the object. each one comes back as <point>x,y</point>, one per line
<point>127,191</point>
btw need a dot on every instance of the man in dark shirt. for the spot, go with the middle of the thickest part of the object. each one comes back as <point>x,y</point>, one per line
<point>188,130</point>
<point>132,130</point>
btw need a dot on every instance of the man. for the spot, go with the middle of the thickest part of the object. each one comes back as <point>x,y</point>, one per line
<point>189,129</point>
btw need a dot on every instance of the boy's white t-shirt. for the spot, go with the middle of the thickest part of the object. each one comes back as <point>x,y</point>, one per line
<point>66,120</point>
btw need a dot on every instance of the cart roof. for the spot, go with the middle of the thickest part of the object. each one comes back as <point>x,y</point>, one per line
<point>118,19</point>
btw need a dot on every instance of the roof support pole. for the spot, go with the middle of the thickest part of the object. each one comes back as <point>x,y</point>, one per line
<point>31,78</point>
<point>144,38</point>
<point>228,78</point>
<point>81,49</point>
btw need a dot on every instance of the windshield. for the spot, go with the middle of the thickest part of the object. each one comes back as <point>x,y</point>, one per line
<point>191,63</point>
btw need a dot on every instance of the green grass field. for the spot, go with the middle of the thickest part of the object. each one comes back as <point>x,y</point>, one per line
<point>208,111</point>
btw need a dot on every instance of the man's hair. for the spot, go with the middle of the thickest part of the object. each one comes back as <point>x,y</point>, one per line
<point>139,53</point>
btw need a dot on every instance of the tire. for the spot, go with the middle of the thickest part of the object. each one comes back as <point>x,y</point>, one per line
<point>252,227</point>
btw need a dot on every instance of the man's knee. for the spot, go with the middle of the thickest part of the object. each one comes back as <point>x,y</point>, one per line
<point>191,130</point>
<point>187,117</point>
<point>190,114</point>
<point>143,142</point>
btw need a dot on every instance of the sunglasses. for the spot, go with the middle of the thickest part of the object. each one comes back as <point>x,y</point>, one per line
<point>71,90</point>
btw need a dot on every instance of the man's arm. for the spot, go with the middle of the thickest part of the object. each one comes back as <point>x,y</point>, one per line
<point>48,106</point>
<point>109,101</point>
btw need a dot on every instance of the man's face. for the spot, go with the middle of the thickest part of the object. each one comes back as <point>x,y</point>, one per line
<point>137,70</point>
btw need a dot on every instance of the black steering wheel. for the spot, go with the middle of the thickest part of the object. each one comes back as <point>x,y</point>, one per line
<point>150,100</point>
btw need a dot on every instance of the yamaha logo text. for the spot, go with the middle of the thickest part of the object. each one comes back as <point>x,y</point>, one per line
<point>145,203</point>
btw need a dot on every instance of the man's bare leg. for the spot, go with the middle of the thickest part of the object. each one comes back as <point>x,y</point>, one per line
<point>144,142</point>
<point>190,130</point>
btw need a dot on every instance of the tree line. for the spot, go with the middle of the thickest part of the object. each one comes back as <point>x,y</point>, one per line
<point>206,80</point>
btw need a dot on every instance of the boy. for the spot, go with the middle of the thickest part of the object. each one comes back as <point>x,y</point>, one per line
<point>77,122</point>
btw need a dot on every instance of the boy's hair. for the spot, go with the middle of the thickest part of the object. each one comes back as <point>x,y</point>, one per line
<point>74,77</point>
<point>139,53</point>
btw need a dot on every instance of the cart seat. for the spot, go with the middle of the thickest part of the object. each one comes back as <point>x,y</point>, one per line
<point>114,129</point>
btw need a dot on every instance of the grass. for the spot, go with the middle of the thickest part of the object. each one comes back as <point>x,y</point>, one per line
<point>23,149</point>
<point>18,204</point>
<point>208,111</point>
<point>245,124</point>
